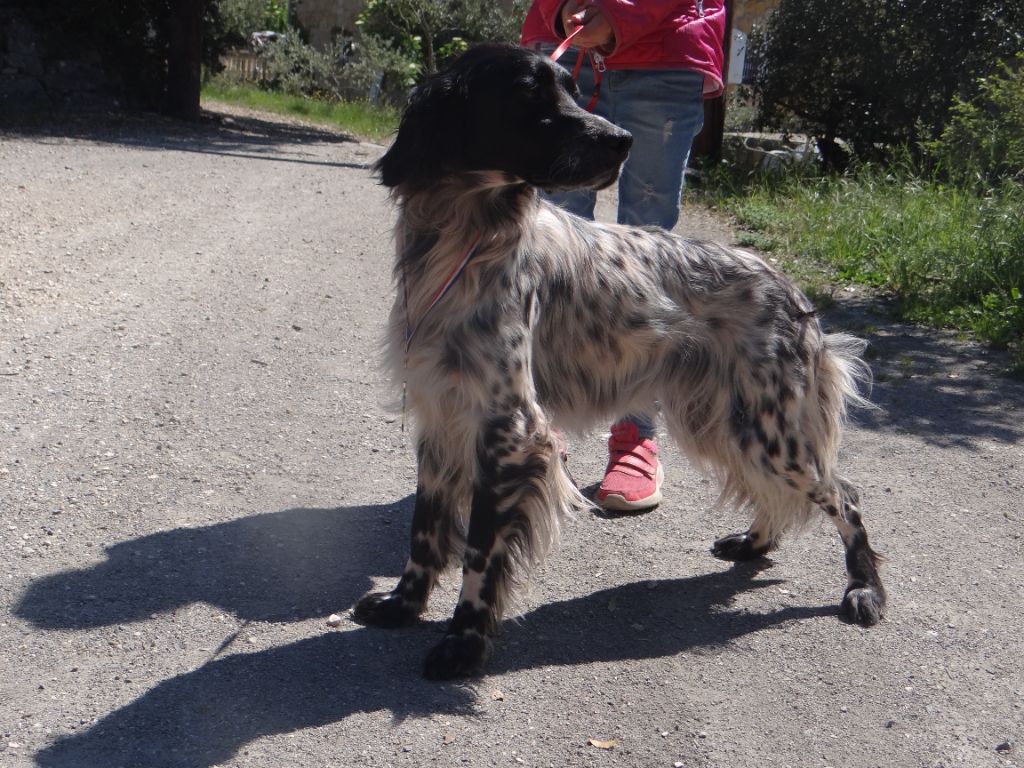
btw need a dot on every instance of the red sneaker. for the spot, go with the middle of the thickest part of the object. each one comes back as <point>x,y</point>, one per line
<point>632,480</point>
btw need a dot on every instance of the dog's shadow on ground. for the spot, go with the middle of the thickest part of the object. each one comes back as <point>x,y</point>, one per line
<point>284,566</point>
<point>295,565</point>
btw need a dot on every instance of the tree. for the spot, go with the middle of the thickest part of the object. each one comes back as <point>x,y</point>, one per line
<point>240,18</point>
<point>984,140</point>
<point>151,50</point>
<point>879,73</point>
<point>184,58</point>
<point>433,30</point>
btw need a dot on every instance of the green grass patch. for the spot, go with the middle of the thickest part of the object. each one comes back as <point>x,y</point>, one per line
<point>951,257</point>
<point>361,119</point>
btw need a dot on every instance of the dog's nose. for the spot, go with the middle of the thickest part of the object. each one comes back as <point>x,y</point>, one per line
<point>621,141</point>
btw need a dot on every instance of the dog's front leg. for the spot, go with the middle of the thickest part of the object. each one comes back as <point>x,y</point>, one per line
<point>433,538</point>
<point>509,513</point>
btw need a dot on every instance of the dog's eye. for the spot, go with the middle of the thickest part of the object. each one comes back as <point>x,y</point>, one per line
<point>546,121</point>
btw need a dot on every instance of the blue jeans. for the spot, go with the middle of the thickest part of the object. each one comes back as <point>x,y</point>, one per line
<point>664,110</point>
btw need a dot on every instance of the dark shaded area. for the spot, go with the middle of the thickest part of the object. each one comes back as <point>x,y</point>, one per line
<point>930,383</point>
<point>143,54</point>
<point>887,87</point>
<point>204,717</point>
<point>283,566</point>
<point>252,138</point>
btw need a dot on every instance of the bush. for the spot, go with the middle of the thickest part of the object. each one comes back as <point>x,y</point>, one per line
<point>878,73</point>
<point>380,73</point>
<point>240,18</point>
<point>293,67</point>
<point>432,31</point>
<point>984,141</point>
<point>376,72</point>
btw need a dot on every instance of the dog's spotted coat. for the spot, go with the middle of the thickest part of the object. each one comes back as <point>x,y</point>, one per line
<point>558,321</point>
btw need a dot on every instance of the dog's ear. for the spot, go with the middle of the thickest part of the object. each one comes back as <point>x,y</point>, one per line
<point>429,136</point>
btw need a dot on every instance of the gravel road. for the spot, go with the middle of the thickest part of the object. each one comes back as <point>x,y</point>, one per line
<point>197,469</point>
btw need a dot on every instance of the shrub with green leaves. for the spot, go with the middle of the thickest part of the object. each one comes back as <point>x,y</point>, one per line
<point>432,31</point>
<point>984,141</point>
<point>877,73</point>
<point>298,69</point>
<point>240,18</point>
<point>379,72</point>
<point>376,73</point>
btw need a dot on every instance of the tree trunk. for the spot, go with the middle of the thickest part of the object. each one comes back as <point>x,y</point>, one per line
<point>184,58</point>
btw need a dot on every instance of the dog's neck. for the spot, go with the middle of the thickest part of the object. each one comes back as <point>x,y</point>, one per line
<point>484,204</point>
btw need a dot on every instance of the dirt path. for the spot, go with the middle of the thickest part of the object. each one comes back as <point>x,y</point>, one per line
<point>196,469</point>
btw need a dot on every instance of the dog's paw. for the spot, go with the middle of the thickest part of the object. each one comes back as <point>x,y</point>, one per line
<point>385,609</point>
<point>863,605</point>
<point>461,655</point>
<point>738,547</point>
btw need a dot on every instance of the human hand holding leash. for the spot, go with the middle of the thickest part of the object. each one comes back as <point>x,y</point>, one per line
<point>596,30</point>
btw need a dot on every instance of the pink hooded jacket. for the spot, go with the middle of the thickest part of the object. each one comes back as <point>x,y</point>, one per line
<point>649,34</point>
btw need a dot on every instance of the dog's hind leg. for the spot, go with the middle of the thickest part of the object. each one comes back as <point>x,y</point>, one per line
<point>753,543</point>
<point>784,472</point>
<point>434,536</point>
<point>518,491</point>
<point>864,600</point>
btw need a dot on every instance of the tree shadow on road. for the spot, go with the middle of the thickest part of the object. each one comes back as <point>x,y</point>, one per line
<point>249,137</point>
<point>932,384</point>
<point>203,717</point>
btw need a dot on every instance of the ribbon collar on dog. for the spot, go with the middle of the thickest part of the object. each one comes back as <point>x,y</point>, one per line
<point>453,277</point>
<point>410,329</point>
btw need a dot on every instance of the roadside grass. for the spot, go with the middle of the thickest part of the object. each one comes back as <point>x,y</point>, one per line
<point>949,256</point>
<point>367,121</point>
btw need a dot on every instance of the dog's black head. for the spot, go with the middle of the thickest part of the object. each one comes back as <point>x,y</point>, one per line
<point>503,108</point>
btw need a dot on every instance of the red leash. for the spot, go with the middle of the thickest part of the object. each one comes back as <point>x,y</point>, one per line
<point>596,63</point>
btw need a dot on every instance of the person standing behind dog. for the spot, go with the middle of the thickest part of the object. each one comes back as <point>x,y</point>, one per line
<point>646,67</point>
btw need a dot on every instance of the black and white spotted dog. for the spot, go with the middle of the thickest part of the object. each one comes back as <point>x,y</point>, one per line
<point>554,321</point>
